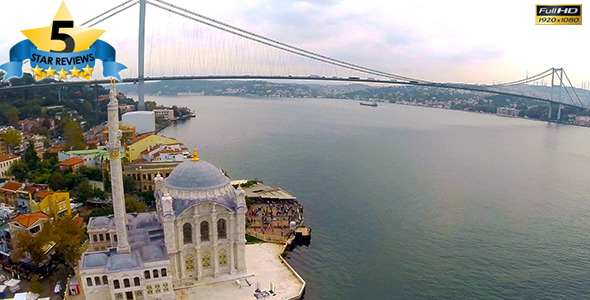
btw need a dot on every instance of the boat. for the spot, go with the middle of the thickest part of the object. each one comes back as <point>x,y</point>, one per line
<point>374,104</point>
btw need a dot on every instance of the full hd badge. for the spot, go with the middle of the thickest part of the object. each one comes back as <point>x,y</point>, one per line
<point>558,14</point>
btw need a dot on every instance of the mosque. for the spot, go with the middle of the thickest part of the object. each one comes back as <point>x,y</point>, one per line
<point>196,234</point>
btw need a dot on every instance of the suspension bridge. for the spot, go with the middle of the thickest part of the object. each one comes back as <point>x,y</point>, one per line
<point>275,60</point>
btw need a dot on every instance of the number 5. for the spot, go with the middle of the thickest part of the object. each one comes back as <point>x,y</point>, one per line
<point>67,39</point>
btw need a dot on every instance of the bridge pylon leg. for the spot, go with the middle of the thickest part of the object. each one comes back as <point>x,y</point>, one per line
<point>549,115</point>
<point>559,112</point>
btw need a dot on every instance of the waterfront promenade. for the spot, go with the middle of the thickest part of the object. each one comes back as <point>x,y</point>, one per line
<point>264,265</point>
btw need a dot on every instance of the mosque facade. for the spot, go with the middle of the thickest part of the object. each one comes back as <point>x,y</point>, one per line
<point>196,235</point>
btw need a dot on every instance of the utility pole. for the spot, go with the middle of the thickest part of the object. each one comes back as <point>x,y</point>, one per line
<point>141,56</point>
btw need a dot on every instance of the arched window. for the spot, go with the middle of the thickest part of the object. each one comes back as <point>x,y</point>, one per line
<point>221,229</point>
<point>88,281</point>
<point>163,271</point>
<point>116,283</point>
<point>126,282</point>
<point>146,274</point>
<point>94,238</point>
<point>105,280</point>
<point>108,237</point>
<point>97,280</point>
<point>136,281</point>
<point>101,237</point>
<point>115,238</point>
<point>156,273</point>
<point>204,231</point>
<point>187,233</point>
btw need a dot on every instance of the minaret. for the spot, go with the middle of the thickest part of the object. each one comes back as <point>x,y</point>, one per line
<point>114,148</point>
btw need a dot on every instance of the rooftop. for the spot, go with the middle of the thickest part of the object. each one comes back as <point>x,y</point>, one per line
<point>90,151</point>
<point>266,192</point>
<point>29,219</point>
<point>5,157</point>
<point>11,186</point>
<point>146,238</point>
<point>71,162</point>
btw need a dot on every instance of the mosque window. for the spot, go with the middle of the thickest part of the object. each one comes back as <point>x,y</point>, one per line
<point>204,231</point>
<point>149,290</point>
<point>138,294</point>
<point>163,271</point>
<point>97,280</point>
<point>126,282</point>
<point>119,296</point>
<point>146,274</point>
<point>108,237</point>
<point>136,281</point>
<point>88,281</point>
<point>101,237</point>
<point>158,290</point>
<point>165,287</point>
<point>221,229</point>
<point>187,233</point>
<point>115,238</point>
<point>189,263</point>
<point>105,280</point>
<point>116,284</point>
<point>206,260</point>
<point>223,257</point>
<point>94,238</point>
<point>156,273</point>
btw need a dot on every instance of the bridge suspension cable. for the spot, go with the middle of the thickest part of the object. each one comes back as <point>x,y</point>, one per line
<point>528,79</point>
<point>112,14</point>
<point>274,43</point>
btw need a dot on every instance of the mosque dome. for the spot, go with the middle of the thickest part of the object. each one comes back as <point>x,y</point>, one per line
<point>196,175</point>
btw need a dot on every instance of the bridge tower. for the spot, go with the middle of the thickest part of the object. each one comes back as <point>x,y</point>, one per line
<point>141,56</point>
<point>550,103</point>
<point>559,91</point>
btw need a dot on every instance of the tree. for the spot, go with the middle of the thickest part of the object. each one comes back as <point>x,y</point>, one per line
<point>132,205</point>
<point>90,173</point>
<point>33,245</point>
<point>31,157</point>
<point>19,170</point>
<point>74,136</point>
<point>11,116</point>
<point>36,286</point>
<point>57,181</point>
<point>12,138</point>
<point>68,235</point>
<point>128,184</point>
<point>84,191</point>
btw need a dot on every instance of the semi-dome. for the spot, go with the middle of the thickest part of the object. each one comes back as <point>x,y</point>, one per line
<point>196,174</point>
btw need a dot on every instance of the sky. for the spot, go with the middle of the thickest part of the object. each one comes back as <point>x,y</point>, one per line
<point>449,41</point>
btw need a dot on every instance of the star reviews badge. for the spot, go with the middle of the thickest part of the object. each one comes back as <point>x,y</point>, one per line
<point>62,49</point>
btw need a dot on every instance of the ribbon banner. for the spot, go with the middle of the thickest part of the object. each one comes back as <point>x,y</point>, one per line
<point>67,61</point>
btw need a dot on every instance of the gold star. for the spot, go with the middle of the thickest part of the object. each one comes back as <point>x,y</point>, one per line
<point>88,70</point>
<point>50,72</point>
<point>62,74</point>
<point>75,72</point>
<point>40,76</point>
<point>42,37</point>
<point>37,71</point>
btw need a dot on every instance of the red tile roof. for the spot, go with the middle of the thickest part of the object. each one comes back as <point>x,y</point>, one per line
<point>5,157</point>
<point>30,219</point>
<point>12,186</point>
<point>71,162</point>
<point>43,194</point>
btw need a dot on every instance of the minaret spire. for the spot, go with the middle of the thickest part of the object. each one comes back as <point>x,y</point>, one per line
<point>114,148</point>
